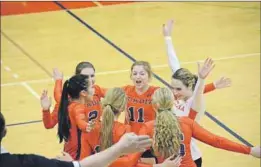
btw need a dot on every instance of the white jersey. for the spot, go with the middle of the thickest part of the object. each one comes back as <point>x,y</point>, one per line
<point>182,109</point>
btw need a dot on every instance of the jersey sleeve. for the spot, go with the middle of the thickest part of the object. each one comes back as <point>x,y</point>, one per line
<point>217,141</point>
<point>80,118</point>
<point>58,88</point>
<point>172,56</point>
<point>40,161</point>
<point>86,149</point>
<point>209,87</point>
<point>50,119</point>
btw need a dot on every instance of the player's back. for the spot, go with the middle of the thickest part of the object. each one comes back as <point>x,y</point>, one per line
<point>186,128</point>
<point>90,142</point>
<point>139,107</point>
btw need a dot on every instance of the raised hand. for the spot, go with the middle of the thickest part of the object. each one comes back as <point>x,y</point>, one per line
<point>206,68</point>
<point>167,28</point>
<point>57,75</point>
<point>46,101</point>
<point>223,82</point>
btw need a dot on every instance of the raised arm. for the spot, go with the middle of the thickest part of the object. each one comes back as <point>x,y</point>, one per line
<point>49,119</point>
<point>171,53</point>
<point>197,102</point>
<point>58,86</point>
<point>220,142</point>
<point>220,83</point>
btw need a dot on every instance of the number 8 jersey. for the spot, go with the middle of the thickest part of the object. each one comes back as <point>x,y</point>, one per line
<point>139,107</point>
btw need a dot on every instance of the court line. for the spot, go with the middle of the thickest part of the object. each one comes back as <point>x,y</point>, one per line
<point>127,70</point>
<point>31,90</point>
<point>8,69</point>
<point>225,6</point>
<point>26,54</point>
<point>132,59</point>
<point>24,123</point>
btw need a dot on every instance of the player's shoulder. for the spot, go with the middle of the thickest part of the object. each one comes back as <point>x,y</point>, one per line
<point>151,90</point>
<point>128,88</point>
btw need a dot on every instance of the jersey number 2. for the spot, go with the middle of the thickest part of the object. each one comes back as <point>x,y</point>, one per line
<point>93,115</point>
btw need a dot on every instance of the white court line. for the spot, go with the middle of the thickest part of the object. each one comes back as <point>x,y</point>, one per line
<point>30,89</point>
<point>127,70</point>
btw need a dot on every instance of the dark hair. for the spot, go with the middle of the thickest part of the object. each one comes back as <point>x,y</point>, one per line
<point>82,65</point>
<point>72,88</point>
<point>2,126</point>
<point>186,77</point>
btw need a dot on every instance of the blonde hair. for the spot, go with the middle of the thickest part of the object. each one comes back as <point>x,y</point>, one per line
<point>167,129</point>
<point>146,66</point>
<point>113,103</point>
<point>186,77</point>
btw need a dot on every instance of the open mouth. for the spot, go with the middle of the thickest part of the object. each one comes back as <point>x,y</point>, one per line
<point>138,82</point>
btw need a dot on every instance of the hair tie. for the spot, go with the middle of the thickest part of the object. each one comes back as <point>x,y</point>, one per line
<point>109,105</point>
<point>164,109</point>
<point>112,108</point>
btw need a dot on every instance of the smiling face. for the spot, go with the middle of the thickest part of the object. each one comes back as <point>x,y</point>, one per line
<point>183,83</point>
<point>180,91</point>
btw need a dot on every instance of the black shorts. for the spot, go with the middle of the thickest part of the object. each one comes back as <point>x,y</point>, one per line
<point>149,154</point>
<point>198,162</point>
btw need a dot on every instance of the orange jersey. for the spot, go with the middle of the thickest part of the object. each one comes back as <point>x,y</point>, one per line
<point>139,107</point>
<point>93,110</point>
<point>192,129</point>
<point>50,119</point>
<point>78,121</point>
<point>90,142</point>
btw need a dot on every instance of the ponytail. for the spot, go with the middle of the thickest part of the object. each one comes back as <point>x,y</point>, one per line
<point>167,129</point>
<point>107,126</point>
<point>64,123</point>
<point>167,134</point>
<point>113,103</point>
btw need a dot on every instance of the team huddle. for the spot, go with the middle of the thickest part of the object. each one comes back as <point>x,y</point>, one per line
<point>87,114</point>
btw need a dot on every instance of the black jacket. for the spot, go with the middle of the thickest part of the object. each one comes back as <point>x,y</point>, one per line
<point>30,160</point>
